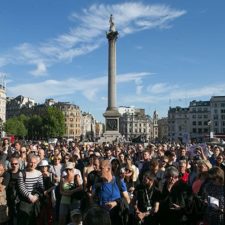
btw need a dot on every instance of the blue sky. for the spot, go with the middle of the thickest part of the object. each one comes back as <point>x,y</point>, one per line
<point>168,52</point>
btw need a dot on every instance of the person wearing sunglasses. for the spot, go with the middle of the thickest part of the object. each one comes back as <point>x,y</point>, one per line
<point>70,184</point>
<point>11,192</point>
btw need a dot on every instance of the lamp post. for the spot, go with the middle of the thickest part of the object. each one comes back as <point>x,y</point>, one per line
<point>210,131</point>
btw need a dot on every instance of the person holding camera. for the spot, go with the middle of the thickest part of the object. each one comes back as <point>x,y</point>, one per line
<point>146,200</point>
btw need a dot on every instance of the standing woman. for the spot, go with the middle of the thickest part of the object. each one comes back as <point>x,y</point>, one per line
<point>176,200</point>
<point>213,193</point>
<point>69,185</point>
<point>46,214</point>
<point>88,169</point>
<point>30,190</point>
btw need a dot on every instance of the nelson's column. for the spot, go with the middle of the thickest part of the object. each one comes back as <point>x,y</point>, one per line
<point>111,114</point>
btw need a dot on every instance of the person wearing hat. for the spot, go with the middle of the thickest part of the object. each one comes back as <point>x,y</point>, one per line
<point>147,197</point>
<point>46,213</point>
<point>69,185</point>
<point>76,217</point>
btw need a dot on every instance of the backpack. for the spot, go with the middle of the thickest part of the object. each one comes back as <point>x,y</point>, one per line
<point>123,207</point>
<point>12,190</point>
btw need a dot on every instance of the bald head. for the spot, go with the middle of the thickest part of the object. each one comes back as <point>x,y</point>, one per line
<point>106,169</point>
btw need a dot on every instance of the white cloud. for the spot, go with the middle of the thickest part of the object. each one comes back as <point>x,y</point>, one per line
<point>41,69</point>
<point>160,88</point>
<point>50,88</point>
<point>180,92</point>
<point>139,89</point>
<point>88,35</point>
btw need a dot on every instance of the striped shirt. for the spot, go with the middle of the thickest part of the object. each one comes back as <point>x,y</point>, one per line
<point>29,182</point>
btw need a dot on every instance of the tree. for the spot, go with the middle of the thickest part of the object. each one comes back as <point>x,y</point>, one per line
<point>35,127</point>
<point>15,127</point>
<point>53,122</point>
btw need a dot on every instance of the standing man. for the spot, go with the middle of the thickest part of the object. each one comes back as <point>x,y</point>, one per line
<point>147,198</point>
<point>12,190</point>
<point>108,193</point>
<point>30,184</point>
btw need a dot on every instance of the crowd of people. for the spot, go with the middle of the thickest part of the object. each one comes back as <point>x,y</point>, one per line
<point>120,184</point>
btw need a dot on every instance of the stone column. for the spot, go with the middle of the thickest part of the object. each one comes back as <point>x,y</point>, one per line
<point>111,114</point>
<point>112,36</point>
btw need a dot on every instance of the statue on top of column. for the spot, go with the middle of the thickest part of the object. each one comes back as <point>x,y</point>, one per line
<point>112,27</point>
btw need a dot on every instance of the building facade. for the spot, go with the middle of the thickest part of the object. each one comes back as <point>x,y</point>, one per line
<point>88,127</point>
<point>178,125</point>
<point>163,129</point>
<point>72,114</point>
<point>18,105</point>
<point>201,121</point>
<point>135,125</point>
<point>217,115</point>
<point>2,103</point>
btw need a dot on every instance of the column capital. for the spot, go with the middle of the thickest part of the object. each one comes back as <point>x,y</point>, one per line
<point>112,35</point>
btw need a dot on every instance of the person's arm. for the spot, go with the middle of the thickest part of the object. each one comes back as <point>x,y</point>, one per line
<point>69,192</point>
<point>126,197</point>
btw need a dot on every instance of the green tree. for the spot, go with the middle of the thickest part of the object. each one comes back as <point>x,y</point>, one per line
<point>15,127</point>
<point>35,127</point>
<point>53,123</point>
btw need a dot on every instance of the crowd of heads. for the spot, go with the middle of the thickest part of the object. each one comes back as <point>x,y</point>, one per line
<point>134,163</point>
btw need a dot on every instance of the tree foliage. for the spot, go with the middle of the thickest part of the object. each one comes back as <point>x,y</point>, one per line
<point>15,127</point>
<point>48,124</point>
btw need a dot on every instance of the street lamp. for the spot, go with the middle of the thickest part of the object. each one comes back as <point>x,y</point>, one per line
<point>210,132</point>
<point>1,126</point>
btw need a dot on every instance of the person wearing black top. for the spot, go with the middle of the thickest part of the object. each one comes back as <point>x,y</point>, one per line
<point>147,198</point>
<point>177,198</point>
<point>12,190</point>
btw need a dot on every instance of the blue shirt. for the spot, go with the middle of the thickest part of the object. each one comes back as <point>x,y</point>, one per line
<point>109,191</point>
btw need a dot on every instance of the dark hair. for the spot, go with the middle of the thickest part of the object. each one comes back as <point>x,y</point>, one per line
<point>97,216</point>
<point>216,173</point>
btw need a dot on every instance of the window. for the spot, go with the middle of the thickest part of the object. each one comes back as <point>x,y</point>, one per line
<point>194,130</point>
<point>199,130</point>
<point>193,116</point>
<point>215,117</point>
<point>206,130</point>
<point>194,123</point>
<point>199,123</point>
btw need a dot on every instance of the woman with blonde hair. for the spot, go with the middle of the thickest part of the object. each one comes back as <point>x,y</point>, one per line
<point>71,183</point>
